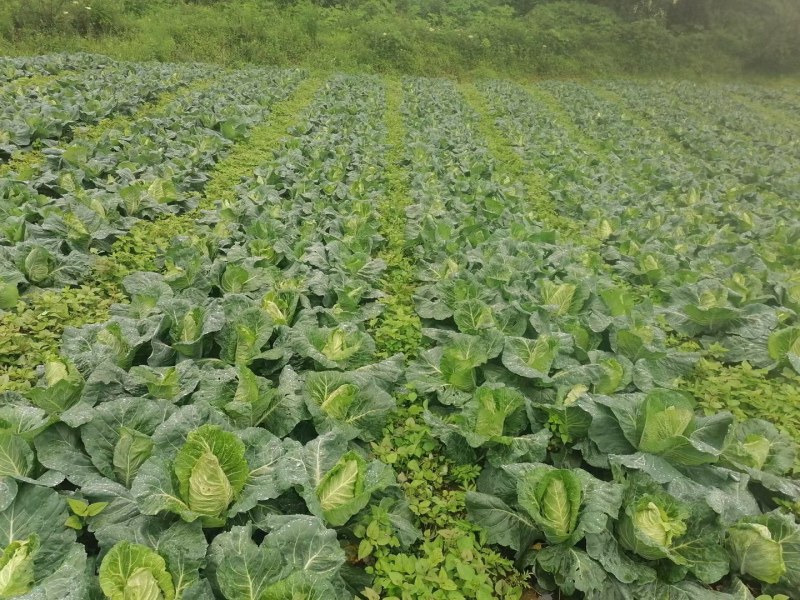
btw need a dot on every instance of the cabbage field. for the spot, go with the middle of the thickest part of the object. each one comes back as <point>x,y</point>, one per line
<point>278,335</point>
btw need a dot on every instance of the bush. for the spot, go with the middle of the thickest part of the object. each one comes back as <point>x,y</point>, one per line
<point>80,17</point>
<point>766,33</point>
<point>518,38</point>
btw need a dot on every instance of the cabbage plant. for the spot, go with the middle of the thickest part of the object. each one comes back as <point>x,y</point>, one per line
<point>281,305</point>
<point>520,503</point>
<point>494,419</point>
<point>155,558</point>
<point>784,347</point>
<point>16,567</point>
<point>656,526</point>
<point>356,402</point>
<point>652,525</point>
<point>59,389</point>
<point>190,326</point>
<point>111,447</point>
<point>208,472</point>
<point>767,548</point>
<point>336,482</point>
<point>757,448</point>
<point>343,347</point>
<point>211,470</point>
<point>662,422</point>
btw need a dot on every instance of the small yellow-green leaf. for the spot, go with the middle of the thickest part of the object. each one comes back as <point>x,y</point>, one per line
<point>79,507</point>
<point>95,508</point>
<point>74,522</point>
<point>364,549</point>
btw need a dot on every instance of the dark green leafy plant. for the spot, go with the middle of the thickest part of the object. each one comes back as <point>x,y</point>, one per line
<point>239,423</point>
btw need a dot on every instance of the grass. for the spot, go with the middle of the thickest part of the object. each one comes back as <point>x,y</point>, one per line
<point>463,39</point>
<point>398,328</point>
<point>30,333</point>
<point>32,81</point>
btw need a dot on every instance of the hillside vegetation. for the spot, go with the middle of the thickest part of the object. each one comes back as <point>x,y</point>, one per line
<point>518,38</point>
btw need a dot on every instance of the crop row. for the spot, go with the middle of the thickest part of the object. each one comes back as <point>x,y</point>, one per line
<point>777,103</point>
<point>731,262</point>
<point>696,156</point>
<point>559,381</point>
<point>88,192</point>
<point>24,67</point>
<point>50,111</point>
<point>233,430</point>
<point>762,155</point>
<point>278,286</point>
<point>741,119</point>
<point>76,205</point>
<point>744,303</point>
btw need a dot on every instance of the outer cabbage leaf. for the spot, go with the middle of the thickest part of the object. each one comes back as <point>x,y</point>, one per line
<point>38,549</point>
<point>16,456</point>
<point>181,546</point>
<point>767,547</point>
<point>60,448</point>
<point>118,439</point>
<point>298,555</point>
<point>504,525</point>
<point>571,569</point>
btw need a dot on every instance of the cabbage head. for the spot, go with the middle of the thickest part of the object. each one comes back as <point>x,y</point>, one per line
<point>135,572</point>
<point>211,471</point>
<point>652,524</point>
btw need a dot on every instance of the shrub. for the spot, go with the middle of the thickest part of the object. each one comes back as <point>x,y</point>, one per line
<point>424,37</point>
<point>81,17</point>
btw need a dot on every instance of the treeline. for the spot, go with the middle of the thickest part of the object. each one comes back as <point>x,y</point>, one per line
<point>518,38</point>
<point>764,34</point>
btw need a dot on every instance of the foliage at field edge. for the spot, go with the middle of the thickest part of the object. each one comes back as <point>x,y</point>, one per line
<point>519,38</point>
